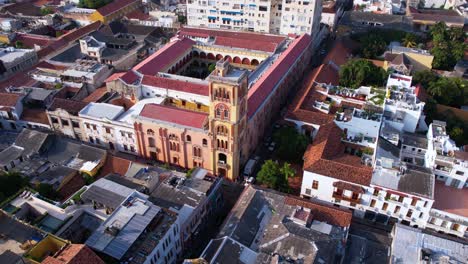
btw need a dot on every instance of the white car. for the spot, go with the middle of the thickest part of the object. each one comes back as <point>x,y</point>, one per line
<point>249,181</point>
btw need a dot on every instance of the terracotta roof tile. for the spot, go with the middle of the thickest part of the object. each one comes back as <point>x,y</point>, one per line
<point>124,102</point>
<point>175,115</point>
<point>115,76</point>
<point>265,85</point>
<point>326,156</point>
<point>35,115</point>
<point>74,254</point>
<point>450,199</point>
<point>323,213</point>
<point>9,99</point>
<point>71,106</point>
<point>249,40</point>
<point>138,14</point>
<point>114,6</point>
<point>29,40</point>
<point>341,52</point>
<point>130,77</point>
<point>50,66</point>
<point>114,164</point>
<point>96,95</point>
<point>164,57</point>
<point>172,84</point>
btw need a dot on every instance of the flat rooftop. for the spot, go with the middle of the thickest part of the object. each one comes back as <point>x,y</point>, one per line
<point>9,55</point>
<point>102,110</point>
<point>410,244</point>
<point>414,180</point>
<point>123,227</point>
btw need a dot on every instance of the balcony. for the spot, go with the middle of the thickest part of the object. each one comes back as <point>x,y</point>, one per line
<point>345,198</point>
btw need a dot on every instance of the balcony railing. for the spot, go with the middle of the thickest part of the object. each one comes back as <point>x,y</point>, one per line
<point>223,164</point>
<point>345,198</point>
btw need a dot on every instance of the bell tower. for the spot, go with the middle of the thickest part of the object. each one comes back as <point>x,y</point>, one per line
<point>227,117</point>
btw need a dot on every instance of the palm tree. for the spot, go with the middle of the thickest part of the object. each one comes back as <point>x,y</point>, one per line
<point>409,40</point>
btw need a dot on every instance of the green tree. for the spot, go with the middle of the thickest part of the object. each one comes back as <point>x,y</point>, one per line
<point>457,134</point>
<point>19,44</point>
<point>358,72</point>
<point>424,78</point>
<point>10,183</point>
<point>182,19</point>
<point>291,144</point>
<point>448,46</point>
<point>409,40</point>
<point>372,46</point>
<point>274,176</point>
<point>47,191</point>
<point>211,67</point>
<point>46,11</point>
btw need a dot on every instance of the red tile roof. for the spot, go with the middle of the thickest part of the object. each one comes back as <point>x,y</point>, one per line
<point>130,77</point>
<point>450,199</point>
<point>115,6</point>
<point>9,99</point>
<point>341,52</point>
<point>74,254</point>
<point>96,95</point>
<point>323,213</point>
<point>71,106</point>
<point>246,40</point>
<point>114,164</point>
<point>265,85</point>
<point>115,76</point>
<point>164,57</point>
<point>29,40</point>
<point>138,14</point>
<point>325,156</point>
<point>50,66</point>
<point>178,85</point>
<point>35,116</point>
<point>175,115</point>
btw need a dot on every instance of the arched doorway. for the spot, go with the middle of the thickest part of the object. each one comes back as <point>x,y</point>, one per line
<point>237,60</point>
<point>246,61</point>
<point>254,62</point>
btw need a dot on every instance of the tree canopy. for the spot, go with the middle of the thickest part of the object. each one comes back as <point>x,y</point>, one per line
<point>448,46</point>
<point>359,72</point>
<point>372,46</point>
<point>10,183</point>
<point>93,4</point>
<point>291,144</point>
<point>275,176</point>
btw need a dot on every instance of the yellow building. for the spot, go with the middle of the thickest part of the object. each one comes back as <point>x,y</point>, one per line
<point>115,10</point>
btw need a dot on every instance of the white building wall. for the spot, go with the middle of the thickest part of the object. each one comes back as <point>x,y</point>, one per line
<point>171,239</point>
<point>448,223</point>
<point>151,91</point>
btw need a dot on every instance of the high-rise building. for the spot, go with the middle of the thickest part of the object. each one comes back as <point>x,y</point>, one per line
<point>269,16</point>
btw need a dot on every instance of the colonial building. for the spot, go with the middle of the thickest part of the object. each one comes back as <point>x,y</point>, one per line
<point>202,118</point>
<point>115,10</point>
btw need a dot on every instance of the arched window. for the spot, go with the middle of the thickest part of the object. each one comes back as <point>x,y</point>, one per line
<point>173,137</point>
<point>226,114</point>
<point>205,142</point>
<point>197,151</point>
<point>218,112</point>
<point>188,138</point>
<point>150,132</point>
<point>222,130</point>
<point>222,111</point>
<point>151,142</point>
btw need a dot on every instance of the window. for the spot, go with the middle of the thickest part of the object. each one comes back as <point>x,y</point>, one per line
<point>87,126</point>
<point>315,185</point>
<point>54,120</point>
<point>205,142</point>
<point>197,152</point>
<point>150,132</point>
<point>108,130</point>
<point>372,204</point>
<point>222,130</point>
<point>308,191</point>
<point>387,196</point>
<point>414,201</point>
<point>125,147</point>
<point>98,141</point>
<point>461,173</point>
<point>65,122</point>
<point>425,204</point>
<point>151,142</point>
<point>385,206</point>
<point>75,124</point>
<point>421,215</point>
<point>400,199</point>
<point>132,148</point>
<point>91,140</point>
<point>397,209</point>
<point>410,213</point>
<point>188,138</point>
<point>376,192</point>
